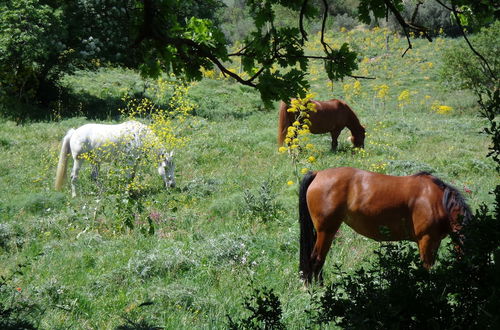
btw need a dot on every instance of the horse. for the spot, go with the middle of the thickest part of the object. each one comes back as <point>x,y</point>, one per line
<point>331,116</point>
<point>132,138</point>
<point>419,208</point>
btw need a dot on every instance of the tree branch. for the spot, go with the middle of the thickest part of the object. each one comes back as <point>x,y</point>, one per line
<point>405,25</point>
<point>323,26</point>
<point>450,9</point>
<point>301,21</point>
<point>415,12</point>
<point>481,57</point>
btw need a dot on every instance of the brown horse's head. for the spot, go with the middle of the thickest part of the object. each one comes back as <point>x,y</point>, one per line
<point>358,138</point>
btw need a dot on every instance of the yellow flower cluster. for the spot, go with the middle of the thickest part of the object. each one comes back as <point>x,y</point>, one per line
<point>382,91</point>
<point>210,74</point>
<point>352,90</point>
<point>441,109</point>
<point>378,167</point>
<point>404,98</point>
<point>166,123</point>
<point>297,143</point>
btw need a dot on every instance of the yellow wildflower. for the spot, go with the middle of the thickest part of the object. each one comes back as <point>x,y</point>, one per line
<point>382,91</point>
<point>310,96</point>
<point>444,109</point>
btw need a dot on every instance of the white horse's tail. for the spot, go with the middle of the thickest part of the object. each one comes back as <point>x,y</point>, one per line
<point>63,160</point>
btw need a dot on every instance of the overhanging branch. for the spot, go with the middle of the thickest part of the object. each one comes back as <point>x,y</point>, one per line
<point>406,25</point>
<point>301,20</point>
<point>481,57</point>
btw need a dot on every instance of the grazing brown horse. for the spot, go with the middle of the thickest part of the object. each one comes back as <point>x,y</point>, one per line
<point>419,207</point>
<point>331,116</point>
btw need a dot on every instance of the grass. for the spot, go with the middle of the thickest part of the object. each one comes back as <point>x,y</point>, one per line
<point>213,243</point>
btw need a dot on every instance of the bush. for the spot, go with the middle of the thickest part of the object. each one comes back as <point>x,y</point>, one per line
<point>462,69</point>
<point>344,21</point>
<point>266,312</point>
<point>31,55</point>
<point>16,312</point>
<point>460,291</point>
<point>262,206</point>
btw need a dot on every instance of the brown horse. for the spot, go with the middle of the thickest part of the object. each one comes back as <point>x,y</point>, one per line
<point>331,116</point>
<point>419,207</point>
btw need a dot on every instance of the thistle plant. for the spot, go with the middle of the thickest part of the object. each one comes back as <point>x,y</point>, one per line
<point>297,142</point>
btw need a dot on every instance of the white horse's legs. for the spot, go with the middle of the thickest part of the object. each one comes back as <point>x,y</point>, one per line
<point>77,163</point>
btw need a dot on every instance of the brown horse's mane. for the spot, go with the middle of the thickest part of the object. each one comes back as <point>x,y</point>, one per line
<point>452,197</point>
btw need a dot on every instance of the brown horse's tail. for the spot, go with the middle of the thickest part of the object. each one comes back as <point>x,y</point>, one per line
<point>307,232</point>
<point>63,160</point>
<point>282,122</point>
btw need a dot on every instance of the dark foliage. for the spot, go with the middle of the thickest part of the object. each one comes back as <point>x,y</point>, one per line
<point>266,312</point>
<point>15,312</point>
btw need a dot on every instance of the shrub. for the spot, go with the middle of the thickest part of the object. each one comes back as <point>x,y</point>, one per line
<point>16,312</point>
<point>462,69</point>
<point>31,54</point>
<point>266,311</point>
<point>459,292</point>
<point>344,21</point>
<point>262,206</point>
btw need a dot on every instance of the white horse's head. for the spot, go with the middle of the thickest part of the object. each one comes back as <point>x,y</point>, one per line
<point>166,168</point>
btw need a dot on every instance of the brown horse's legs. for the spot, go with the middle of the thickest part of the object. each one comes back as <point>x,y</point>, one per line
<point>323,243</point>
<point>428,246</point>
<point>335,135</point>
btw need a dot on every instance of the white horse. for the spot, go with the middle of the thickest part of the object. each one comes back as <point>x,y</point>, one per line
<point>131,137</point>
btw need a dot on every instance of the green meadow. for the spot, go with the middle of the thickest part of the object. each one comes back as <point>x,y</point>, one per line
<point>197,251</point>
